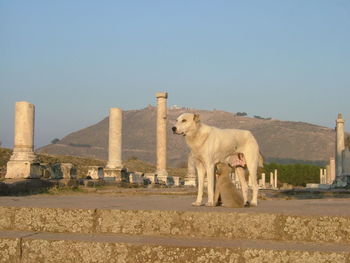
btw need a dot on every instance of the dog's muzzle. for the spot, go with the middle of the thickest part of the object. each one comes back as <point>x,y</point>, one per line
<point>175,131</point>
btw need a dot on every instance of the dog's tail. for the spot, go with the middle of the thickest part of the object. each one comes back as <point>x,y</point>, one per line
<point>261,160</point>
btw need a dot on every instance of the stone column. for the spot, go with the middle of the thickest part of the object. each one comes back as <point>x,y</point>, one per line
<point>190,179</point>
<point>322,176</point>
<point>272,180</point>
<point>328,174</point>
<point>340,144</point>
<point>114,164</point>
<point>263,184</point>
<point>275,181</point>
<point>332,173</point>
<point>23,163</point>
<point>161,136</point>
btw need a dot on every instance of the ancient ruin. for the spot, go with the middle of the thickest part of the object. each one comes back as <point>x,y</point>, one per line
<point>114,164</point>
<point>342,155</point>
<point>162,173</point>
<point>23,163</point>
<point>191,177</point>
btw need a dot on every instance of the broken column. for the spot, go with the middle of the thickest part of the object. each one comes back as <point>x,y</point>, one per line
<point>23,162</point>
<point>340,144</point>
<point>113,168</point>
<point>162,173</point>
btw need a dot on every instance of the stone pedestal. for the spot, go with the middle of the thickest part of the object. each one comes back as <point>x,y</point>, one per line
<point>177,181</point>
<point>332,170</point>
<point>22,169</point>
<point>191,177</point>
<point>136,178</point>
<point>95,172</point>
<point>112,174</point>
<point>23,162</point>
<point>191,181</point>
<point>151,177</point>
<point>68,171</point>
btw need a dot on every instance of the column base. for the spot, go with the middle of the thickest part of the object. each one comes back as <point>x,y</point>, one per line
<point>341,181</point>
<point>191,181</point>
<point>112,174</point>
<point>23,169</point>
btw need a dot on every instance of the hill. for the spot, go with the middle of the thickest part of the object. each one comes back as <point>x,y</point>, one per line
<point>281,141</point>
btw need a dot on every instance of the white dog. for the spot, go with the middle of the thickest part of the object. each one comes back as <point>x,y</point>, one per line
<point>210,145</point>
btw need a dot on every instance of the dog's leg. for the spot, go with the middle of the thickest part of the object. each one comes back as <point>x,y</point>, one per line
<point>252,164</point>
<point>210,176</point>
<point>240,172</point>
<point>216,194</point>
<point>201,174</point>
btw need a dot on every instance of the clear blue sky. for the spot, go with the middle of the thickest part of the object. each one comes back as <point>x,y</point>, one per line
<point>289,60</point>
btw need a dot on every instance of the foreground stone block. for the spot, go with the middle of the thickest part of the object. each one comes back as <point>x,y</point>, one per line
<point>10,250</point>
<point>53,220</point>
<point>228,225</point>
<point>316,229</point>
<point>44,247</point>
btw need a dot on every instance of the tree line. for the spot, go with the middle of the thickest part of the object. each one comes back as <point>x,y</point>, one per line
<point>294,174</point>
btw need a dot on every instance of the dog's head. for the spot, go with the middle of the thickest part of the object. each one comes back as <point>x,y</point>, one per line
<point>222,169</point>
<point>186,124</point>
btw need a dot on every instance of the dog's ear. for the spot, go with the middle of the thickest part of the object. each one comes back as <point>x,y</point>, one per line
<point>196,117</point>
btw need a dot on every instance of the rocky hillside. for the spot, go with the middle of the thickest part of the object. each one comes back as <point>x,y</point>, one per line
<point>278,140</point>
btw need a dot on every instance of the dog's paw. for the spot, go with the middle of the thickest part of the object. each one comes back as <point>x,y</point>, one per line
<point>253,203</point>
<point>197,204</point>
<point>210,204</point>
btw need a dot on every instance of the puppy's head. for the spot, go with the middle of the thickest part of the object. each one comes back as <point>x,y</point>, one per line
<point>186,124</point>
<point>223,169</point>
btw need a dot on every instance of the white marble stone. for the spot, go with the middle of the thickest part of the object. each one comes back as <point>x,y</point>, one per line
<point>23,162</point>
<point>340,144</point>
<point>272,180</point>
<point>161,135</point>
<point>152,177</point>
<point>95,172</point>
<point>115,139</point>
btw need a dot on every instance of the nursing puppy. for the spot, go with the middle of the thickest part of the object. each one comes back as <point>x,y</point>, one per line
<point>210,145</point>
<point>225,189</point>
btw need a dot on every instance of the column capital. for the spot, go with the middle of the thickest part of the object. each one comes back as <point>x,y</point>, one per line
<point>340,118</point>
<point>163,95</point>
